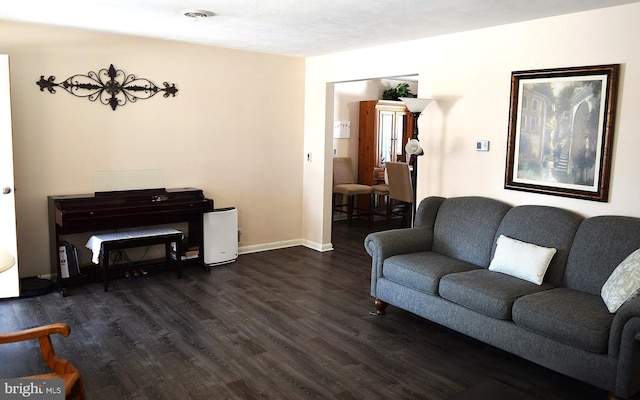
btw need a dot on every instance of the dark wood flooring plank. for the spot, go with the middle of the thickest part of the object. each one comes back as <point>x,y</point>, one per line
<point>282,324</point>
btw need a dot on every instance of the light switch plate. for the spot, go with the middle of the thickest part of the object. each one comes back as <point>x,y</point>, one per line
<point>482,145</point>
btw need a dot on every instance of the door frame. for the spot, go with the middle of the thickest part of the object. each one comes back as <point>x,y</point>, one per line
<point>9,279</point>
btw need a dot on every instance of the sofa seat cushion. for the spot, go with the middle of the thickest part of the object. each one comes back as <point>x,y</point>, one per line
<point>487,292</point>
<point>422,271</point>
<point>573,317</point>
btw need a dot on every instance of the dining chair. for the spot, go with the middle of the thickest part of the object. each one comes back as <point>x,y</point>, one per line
<point>400,191</point>
<point>344,183</point>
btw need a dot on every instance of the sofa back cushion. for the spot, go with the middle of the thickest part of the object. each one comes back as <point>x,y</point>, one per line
<point>542,226</point>
<point>465,228</point>
<point>600,244</point>
<point>427,212</point>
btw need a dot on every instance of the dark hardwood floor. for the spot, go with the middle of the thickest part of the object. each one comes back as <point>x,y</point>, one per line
<point>281,324</point>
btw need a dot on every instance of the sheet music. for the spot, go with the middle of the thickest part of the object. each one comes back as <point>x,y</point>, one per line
<point>108,181</point>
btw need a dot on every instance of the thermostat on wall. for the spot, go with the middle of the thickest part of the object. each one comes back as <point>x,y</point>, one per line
<point>482,145</point>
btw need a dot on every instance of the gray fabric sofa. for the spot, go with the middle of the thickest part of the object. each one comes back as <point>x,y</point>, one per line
<point>439,270</point>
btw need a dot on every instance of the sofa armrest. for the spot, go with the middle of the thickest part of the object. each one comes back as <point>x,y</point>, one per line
<point>382,245</point>
<point>627,312</point>
<point>628,369</point>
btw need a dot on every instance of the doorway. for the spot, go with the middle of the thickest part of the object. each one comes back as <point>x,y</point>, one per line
<point>346,113</point>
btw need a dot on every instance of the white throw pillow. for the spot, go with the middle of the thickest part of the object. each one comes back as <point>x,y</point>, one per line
<point>623,283</point>
<point>521,259</point>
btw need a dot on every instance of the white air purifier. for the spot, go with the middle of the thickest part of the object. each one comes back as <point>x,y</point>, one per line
<point>220,230</point>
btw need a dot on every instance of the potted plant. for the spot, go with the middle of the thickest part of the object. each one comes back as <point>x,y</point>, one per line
<point>401,90</point>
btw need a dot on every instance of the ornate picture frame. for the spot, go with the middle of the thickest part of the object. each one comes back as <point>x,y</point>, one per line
<point>561,131</point>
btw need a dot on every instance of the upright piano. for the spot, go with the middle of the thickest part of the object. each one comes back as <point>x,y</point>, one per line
<point>126,209</point>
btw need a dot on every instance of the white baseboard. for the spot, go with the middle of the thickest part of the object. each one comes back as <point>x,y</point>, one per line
<point>317,246</point>
<point>284,244</point>
<point>254,249</point>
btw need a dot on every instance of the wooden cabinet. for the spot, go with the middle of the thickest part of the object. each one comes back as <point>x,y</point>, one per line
<point>385,127</point>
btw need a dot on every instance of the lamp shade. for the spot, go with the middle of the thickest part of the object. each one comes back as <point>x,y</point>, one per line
<point>413,147</point>
<point>6,259</point>
<point>415,104</point>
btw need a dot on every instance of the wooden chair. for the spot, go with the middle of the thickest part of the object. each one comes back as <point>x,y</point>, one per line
<point>62,369</point>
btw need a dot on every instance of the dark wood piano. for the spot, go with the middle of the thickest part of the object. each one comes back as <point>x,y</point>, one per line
<point>110,211</point>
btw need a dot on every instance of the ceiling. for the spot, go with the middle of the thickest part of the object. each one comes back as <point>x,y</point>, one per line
<point>300,28</point>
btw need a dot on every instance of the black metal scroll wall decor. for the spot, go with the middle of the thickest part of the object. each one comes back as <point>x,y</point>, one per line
<point>111,86</point>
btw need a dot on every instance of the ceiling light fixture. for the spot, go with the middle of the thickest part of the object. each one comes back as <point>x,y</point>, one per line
<point>197,14</point>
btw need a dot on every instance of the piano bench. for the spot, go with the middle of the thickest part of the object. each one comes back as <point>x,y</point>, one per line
<point>128,240</point>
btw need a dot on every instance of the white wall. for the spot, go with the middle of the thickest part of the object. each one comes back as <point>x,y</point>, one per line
<point>469,76</point>
<point>233,130</point>
<point>347,98</point>
<point>284,110</point>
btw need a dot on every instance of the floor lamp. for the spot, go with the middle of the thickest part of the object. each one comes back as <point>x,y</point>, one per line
<point>415,106</point>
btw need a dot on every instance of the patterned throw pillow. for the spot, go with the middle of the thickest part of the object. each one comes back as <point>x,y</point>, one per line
<point>623,284</point>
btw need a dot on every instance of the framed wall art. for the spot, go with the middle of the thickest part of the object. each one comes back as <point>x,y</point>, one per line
<point>561,131</point>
